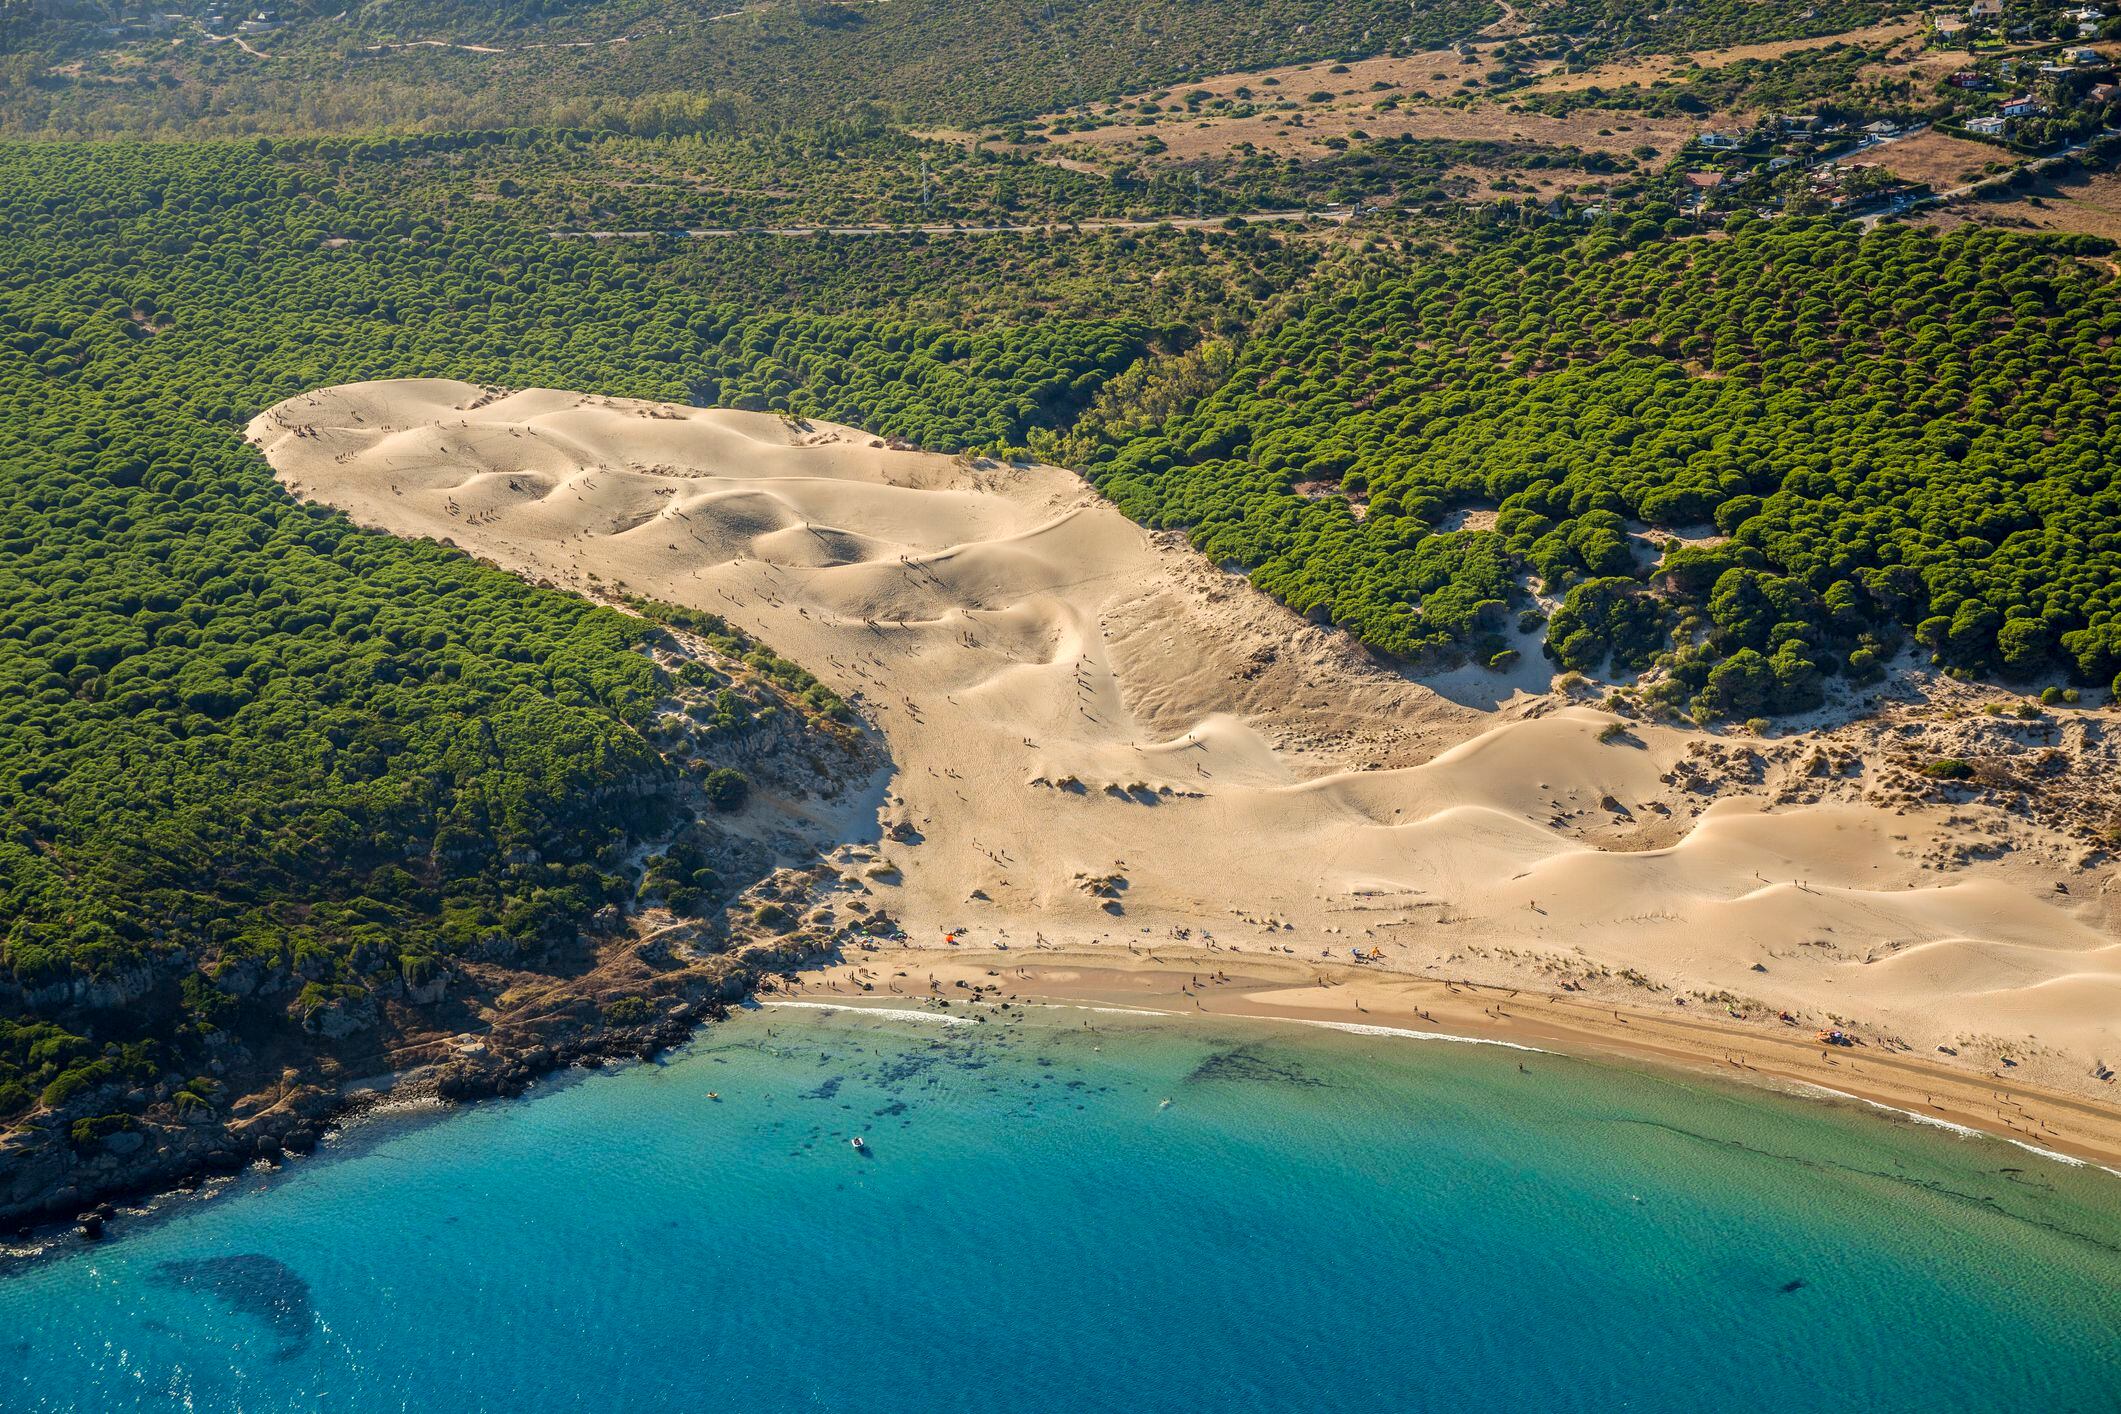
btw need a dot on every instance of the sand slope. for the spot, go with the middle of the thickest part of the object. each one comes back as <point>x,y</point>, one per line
<point>1074,703</point>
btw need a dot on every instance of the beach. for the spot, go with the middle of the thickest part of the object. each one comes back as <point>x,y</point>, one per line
<point>1089,1211</point>
<point>1123,761</point>
<point>1186,984</point>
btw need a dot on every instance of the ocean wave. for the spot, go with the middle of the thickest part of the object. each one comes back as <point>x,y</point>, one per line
<point>908,1013</point>
<point>1362,1028</point>
<point>1102,1010</point>
<point>1359,1028</point>
<point>1964,1131</point>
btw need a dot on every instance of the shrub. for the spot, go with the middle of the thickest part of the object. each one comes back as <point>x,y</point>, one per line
<point>727,788</point>
<point>626,1011</point>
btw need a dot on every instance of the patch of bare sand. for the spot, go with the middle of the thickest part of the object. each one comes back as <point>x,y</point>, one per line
<point>1102,741</point>
<point>1647,69</point>
<point>1590,131</point>
<point>1939,159</point>
<point>1331,105</point>
<point>2079,202</point>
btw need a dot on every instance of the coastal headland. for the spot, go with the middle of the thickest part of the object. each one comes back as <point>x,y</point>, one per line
<point>1121,768</point>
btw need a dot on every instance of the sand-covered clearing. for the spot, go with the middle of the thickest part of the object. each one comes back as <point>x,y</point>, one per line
<point>1648,69</point>
<point>2076,201</point>
<point>1102,741</point>
<point>1938,159</point>
<point>1189,139</point>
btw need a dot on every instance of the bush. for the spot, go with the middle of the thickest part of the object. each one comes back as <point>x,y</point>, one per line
<point>626,1011</point>
<point>727,788</point>
<point>89,1131</point>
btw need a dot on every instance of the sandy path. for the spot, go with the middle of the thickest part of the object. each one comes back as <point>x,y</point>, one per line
<point>1102,740</point>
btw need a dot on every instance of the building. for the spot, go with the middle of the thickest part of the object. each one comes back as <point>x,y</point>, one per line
<point>1990,126</point>
<point>2023,106</point>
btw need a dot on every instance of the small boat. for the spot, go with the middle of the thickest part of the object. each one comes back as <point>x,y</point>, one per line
<point>859,1146</point>
<point>714,1095</point>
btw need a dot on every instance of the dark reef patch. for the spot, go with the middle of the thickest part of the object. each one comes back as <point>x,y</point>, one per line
<point>1251,1065</point>
<point>250,1284</point>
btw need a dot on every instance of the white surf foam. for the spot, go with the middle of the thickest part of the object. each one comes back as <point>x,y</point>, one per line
<point>1964,1131</point>
<point>1360,1028</point>
<point>907,1013</point>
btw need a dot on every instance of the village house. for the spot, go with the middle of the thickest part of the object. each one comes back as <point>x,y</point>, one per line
<point>2022,106</point>
<point>1988,126</point>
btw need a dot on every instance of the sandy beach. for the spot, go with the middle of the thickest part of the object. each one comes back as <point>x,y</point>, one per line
<point>1181,982</point>
<point>1105,745</point>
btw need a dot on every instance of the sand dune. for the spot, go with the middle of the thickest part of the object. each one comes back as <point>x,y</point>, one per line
<point>1103,741</point>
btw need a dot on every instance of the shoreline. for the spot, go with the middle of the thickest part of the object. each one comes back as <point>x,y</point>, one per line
<point>1163,988</point>
<point>1106,749</point>
<point>1909,1086</point>
<point>505,1071</point>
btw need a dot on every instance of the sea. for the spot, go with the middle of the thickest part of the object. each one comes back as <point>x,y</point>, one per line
<point>1085,1210</point>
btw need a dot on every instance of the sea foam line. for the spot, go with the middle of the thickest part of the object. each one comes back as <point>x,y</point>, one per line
<point>1964,1131</point>
<point>1100,1010</point>
<point>907,1012</point>
<point>1361,1028</point>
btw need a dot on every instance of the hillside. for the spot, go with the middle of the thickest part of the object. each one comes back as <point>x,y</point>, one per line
<point>1758,462</point>
<point>277,791</point>
<point>1738,367</point>
<point>443,63</point>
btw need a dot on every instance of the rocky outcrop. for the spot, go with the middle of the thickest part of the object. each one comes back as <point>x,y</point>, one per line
<point>104,992</point>
<point>622,988</point>
<point>678,977</point>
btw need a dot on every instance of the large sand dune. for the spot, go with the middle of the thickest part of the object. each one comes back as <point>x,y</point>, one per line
<point>1070,699</point>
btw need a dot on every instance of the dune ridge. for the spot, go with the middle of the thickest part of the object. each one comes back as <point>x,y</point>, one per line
<point>1102,741</point>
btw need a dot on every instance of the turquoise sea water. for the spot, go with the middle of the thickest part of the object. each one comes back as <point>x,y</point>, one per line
<point>1315,1221</point>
